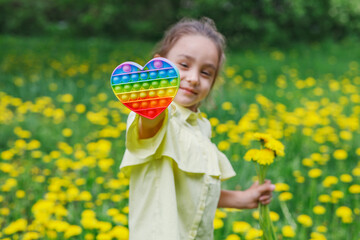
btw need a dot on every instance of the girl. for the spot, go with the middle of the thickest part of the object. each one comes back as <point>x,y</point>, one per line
<point>175,171</point>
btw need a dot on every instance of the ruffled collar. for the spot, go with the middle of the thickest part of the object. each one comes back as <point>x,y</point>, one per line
<point>185,114</point>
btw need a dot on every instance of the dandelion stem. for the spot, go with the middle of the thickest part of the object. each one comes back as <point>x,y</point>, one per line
<point>287,214</point>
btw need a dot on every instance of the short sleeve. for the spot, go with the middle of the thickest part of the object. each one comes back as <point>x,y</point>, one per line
<point>138,150</point>
<point>226,169</point>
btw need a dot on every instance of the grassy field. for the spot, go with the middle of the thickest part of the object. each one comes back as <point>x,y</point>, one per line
<point>63,130</point>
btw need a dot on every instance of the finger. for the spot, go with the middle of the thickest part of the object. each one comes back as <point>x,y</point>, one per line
<point>266,187</point>
<point>266,202</point>
<point>267,181</point>
<point>265,198</point>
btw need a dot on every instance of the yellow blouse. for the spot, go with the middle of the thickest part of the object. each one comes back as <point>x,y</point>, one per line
<point>174,178</point>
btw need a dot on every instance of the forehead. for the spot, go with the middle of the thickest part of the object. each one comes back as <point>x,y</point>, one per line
<point>196,46</point>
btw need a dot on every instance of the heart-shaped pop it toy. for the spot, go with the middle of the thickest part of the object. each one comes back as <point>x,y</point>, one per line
<point>146,90</point>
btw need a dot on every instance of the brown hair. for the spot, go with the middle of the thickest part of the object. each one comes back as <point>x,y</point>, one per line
<point>205,27</point>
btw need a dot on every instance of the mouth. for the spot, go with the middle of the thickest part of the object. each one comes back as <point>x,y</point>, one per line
<point>188,90</point>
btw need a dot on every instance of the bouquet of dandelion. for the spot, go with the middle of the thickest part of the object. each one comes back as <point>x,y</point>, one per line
<point>263,158</point>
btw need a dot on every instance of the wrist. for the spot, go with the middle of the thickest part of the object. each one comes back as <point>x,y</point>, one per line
<point>233,199</point>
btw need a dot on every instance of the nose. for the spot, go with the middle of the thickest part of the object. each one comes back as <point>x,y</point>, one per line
<point>193,77</point>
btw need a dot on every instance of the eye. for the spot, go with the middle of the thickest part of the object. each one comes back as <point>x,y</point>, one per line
<point>207,74</point>
<point>184,65</point>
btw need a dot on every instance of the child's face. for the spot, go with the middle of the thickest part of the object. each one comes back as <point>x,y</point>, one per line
<point>197,59</point>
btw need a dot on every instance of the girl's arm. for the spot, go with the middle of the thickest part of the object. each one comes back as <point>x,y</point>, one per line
<point>149,127</point>
<point>249,198</point>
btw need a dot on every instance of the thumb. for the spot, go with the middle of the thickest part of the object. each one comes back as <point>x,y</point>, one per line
<point>266,187</point>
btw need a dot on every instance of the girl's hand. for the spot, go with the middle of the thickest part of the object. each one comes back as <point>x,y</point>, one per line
<point>149,127</point>
<point>250,198</point>
<point>259,194</point>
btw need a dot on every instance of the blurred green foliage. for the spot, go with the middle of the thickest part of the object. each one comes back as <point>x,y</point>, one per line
<point>259,21</point>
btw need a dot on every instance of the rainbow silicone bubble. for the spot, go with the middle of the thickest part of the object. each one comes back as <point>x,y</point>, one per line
<point>147,90</point>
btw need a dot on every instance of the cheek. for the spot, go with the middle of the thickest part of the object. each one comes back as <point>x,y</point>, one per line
<point>206,89</point>
<point>182,74</point>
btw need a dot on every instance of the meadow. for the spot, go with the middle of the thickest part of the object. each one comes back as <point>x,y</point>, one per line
<point>62,135</point>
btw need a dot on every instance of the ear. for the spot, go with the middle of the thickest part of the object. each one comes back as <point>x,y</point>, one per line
<point>156,55</point>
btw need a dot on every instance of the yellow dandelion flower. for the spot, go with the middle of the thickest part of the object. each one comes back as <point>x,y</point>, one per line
<point>305,220</point>
<point>319,210</point>
<point>224,145</point>
<point>324,198</point>
<point>31,236</point>
<point>345,213</point>
<point>337,194</point>
<point>262,137</point>
<point>316,157</point>
<point>66,98</point>
<point>285,196</point>
<point>125,210</point>
<point>340,154</point>
<point>233,237</point>
<point>288,231</point>
<point>80,108</point>
<point>256,214</point>
<point>220,214</point>
<point>315,173</point>
<point>308,162</point>
<point>214,121</point>
<point>89,236</point>
<point>354,189</point>
<point>321,229</point>
<point>276,146</point>
<point>253,233</point>
<point>104,236</point>
<point>346,135</point>
<point>317,236</point>
<point>112,211</point>
<point>227,106</point>
<point>88,214</point>
<point>357,211</point>
<point>120,218</point>
<point>218,223</point>
<point>329,181</point>
<point>51,234</point>
<point>240,227</point>
<point>230,71</point>
<point>72,230</point>
<point>7,155</point>
<point>357,151</point>
<point>280,187</point>
<point>265,157</point>
<point>356,171</point>
<point>16,226</point>
<point>85,196</point>
<point>67,132</point>
<point>20,193</point>
<point>120,232</point>
<point>274,216</point>
<point>221,128</point>
<point>4,211</point>
<point>33,144</point>
<point>252,154</point>
<point>346,178</point>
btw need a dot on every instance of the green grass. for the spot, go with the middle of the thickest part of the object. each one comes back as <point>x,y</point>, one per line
<point>314,109</point>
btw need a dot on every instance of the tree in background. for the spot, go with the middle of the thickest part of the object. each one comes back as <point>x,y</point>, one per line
<point>269,21</point>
